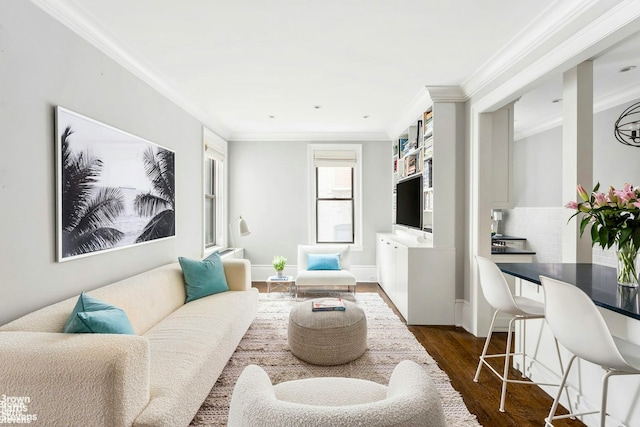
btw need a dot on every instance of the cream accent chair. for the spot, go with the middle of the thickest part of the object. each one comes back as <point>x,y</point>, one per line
<point>317,278</point>
<point>411,399</point>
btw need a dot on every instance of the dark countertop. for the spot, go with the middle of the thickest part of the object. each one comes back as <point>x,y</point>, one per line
<point>503,237</point>
<point>508,250</point>
<point>599,282</point>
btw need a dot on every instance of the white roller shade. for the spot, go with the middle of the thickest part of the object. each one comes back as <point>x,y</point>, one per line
<point>346,158</point>
<point>213,152</point>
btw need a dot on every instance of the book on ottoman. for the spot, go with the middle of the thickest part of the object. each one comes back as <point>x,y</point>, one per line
<point>328,304</point>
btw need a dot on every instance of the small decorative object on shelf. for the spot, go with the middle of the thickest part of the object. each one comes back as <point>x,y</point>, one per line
<point>278,264</point>
<point>614,219</point>
<point>328,304</point>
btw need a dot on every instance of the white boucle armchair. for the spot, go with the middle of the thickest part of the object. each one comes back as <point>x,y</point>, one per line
<point>320,278</point>
<point>409,400</point>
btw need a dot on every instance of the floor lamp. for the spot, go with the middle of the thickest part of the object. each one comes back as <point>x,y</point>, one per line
<point>240,226</point>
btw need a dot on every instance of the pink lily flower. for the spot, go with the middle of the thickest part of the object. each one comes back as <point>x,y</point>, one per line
<point>582,193</point>
<point>572,205</point>
<point>600,199</point>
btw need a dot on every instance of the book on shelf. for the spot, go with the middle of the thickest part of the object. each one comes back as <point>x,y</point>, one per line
<point>279,279</point>
<point>328,304</point>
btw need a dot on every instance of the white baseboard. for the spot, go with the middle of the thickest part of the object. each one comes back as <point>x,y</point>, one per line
<point>462,315</point>
<point>363,273</point>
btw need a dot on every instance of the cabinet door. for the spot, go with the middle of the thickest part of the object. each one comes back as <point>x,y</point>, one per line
<point>401,287</point>
<point>386,263</point>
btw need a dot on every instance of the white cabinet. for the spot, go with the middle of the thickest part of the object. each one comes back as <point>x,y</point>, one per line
<point>418,278</point>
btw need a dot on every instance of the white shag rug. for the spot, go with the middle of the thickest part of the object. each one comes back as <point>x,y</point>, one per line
<point>389,342</point>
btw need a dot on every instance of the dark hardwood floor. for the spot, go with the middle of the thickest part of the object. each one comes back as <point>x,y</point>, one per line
<point>456,351</point>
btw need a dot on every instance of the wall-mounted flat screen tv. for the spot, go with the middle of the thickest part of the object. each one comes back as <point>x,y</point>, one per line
<point>409,202</point>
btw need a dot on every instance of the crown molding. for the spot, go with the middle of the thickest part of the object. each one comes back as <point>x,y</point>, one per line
<point>91,31</point>
<point>603,103</point>
<point>609,28</point>
<point>554,18</point>
<point>310,136</point>
<point>420,103</point>
<point>446,94</point>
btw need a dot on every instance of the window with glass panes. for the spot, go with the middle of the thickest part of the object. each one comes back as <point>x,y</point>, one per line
<point>209,202</point>
<point>334,196</point>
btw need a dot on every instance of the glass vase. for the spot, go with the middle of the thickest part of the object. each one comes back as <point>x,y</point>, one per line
<point>628,266</point>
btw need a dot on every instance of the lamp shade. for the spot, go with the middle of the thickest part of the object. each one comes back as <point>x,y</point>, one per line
<point>627,127</point>
<point>243,227</point>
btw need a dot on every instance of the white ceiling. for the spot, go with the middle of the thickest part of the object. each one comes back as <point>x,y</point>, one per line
<point>250,68</point>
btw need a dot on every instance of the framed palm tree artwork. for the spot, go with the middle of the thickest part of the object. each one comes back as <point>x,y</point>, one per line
<point>114,190</point>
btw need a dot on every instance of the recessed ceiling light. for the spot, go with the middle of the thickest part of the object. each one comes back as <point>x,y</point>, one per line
<point>555,101</point>
<point>628,68</point>
<point>317,107</point>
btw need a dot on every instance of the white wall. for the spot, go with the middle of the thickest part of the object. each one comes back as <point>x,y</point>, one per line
<point>43,64</point>
<point>537,165</point>
<point>269,186</point>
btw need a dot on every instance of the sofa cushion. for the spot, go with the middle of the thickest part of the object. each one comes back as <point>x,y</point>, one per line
<point>323,262</point>
<point>203,278</point>
<point>325,278</point>
<point>90,315</point>
<point>189,349</point>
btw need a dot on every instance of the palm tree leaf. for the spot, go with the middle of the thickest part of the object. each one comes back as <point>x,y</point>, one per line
<point>159,168</point>
<point>94,240</point>
<point>149,204</point>
<point>79,174</point>
<point>161,225</point>
<point>101,211</point>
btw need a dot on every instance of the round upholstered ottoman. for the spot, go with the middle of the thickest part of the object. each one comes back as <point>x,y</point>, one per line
<point>327,337</point>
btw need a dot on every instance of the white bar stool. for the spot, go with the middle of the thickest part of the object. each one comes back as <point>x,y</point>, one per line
<point>577,324</point>
<point>497,293</point>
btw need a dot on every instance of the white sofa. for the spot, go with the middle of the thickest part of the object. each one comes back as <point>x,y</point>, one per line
<point>411,399</point>
<point>321,278</point>
<point>158,377</point>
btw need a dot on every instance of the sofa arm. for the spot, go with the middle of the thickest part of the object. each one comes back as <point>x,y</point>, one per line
<point>76,379</point>
<point>238,274</point>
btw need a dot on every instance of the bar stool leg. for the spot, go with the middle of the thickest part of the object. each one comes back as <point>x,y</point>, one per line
<point>506,364</point>
<point>524,349</point>
<point>603,404</point>
<point>566,389</point>
<point>486,346</point>
<point>554,407</point>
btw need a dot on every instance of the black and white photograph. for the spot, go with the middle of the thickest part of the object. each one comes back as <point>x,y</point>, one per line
<point>115,190</point>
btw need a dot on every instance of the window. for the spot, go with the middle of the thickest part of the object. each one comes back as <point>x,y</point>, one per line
<point>335,193</point>
<point>209,202</point>
<point>334,204</point>
<point>214,190</point>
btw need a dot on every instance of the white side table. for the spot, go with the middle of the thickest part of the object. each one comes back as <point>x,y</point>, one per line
<point>275,281</point>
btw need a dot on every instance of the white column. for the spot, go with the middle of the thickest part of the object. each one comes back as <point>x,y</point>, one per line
<point>480,226</point>
<point>577,154</point>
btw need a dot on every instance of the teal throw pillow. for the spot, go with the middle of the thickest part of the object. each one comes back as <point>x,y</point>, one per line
<point>90,315</point>
<point>204,277</point>
<point>323,262</point>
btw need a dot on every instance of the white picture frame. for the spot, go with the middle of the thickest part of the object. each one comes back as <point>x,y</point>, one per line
<point>114,190</point>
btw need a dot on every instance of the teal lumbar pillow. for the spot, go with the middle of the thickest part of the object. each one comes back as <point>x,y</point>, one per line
<point>203,278</point>
<point>90,315</point>
<point>323,262</point>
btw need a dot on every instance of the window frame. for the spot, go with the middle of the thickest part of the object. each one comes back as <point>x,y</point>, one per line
<point>356,195</point>
<point>215,148</point>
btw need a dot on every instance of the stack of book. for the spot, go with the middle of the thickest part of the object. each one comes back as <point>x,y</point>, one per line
<point>328,304</point>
